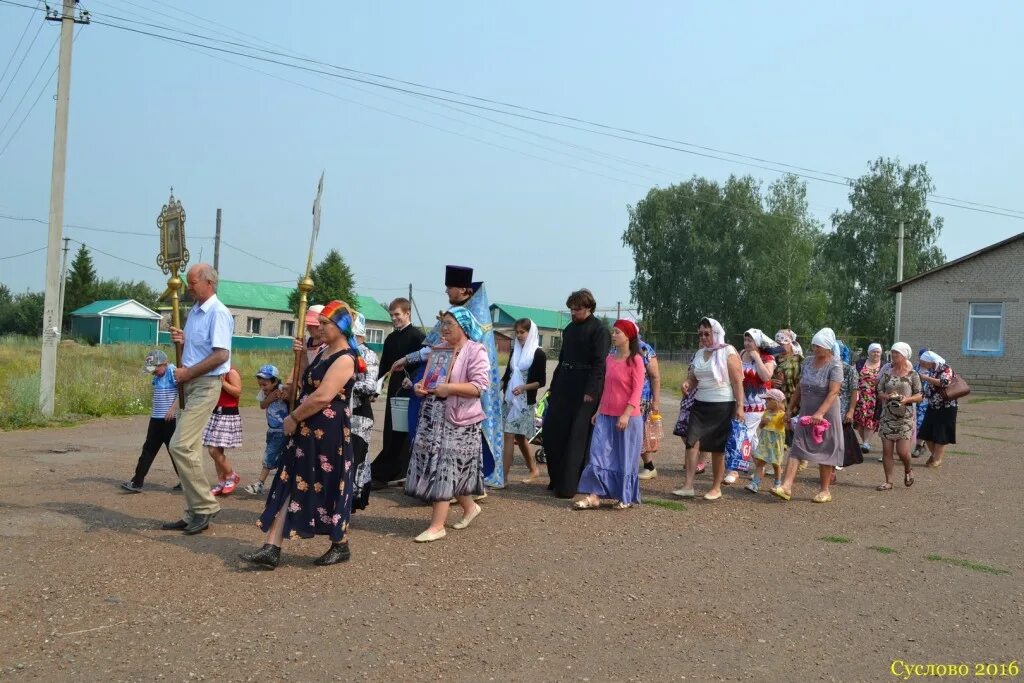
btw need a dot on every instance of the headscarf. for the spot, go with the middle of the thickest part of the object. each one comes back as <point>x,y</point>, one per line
<point>522,359</point>
<point>932,357</point>
<point>825,338</point>
<point>842,351</point>
<point>628,328</point>
<point>784,337</point>
<point>522,354</point>
<point>874,346</point>
<point>338,313</point>
<point>359,325</point>
<point>313,315</point>
<point>903,349</point>
<point>759,337</point>
<point>923,350</point>
<point>467,322</point>
<point>719,362</point>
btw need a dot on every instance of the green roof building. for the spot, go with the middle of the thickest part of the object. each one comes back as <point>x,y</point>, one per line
<point>549,325</point>
<point>120,321</point>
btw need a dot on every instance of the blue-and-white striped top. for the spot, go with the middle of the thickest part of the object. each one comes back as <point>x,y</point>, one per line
<point>165,390</point>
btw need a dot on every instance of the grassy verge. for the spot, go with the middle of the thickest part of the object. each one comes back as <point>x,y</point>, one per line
<point>667,504</point>
<point>95,380</point>
<point>968,564</point>
<point>835,539</point>
<point>885,550</point>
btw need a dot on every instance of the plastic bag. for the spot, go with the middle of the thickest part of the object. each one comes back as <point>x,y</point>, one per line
<point>738,449</point>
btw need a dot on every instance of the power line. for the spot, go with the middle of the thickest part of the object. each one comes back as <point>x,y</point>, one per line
<point>41,221</point>
<point>843,179</point>
<point>251,255</point>
<point>28,88</point>
<point>24,253</point>
<point>17,47</point>
<point>24,56</point>
<point>605,129</point>
<point>113,256</point>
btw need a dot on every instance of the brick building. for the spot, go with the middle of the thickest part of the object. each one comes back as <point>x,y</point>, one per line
<point>970,311</point>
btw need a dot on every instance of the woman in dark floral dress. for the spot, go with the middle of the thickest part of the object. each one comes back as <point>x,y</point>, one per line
<point>899,389</point>
<point>865,413</point>
<point>312,491</point>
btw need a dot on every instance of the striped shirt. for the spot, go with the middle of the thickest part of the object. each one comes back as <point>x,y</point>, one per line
<point>165,390</point>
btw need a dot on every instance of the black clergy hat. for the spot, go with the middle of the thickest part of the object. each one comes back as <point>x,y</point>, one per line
<point>458,276</point>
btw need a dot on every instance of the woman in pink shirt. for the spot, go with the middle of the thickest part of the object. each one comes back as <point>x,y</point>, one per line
<point>611,470</point>
<point>446,456</point>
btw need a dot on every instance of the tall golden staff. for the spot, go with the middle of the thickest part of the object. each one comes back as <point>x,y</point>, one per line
<point>173,259</point>
<point>305,287</point>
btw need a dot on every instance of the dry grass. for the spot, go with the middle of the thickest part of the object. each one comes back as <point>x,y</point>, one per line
<point>95,380</point>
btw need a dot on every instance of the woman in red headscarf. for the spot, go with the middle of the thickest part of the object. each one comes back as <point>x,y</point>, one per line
<point>612,468</point>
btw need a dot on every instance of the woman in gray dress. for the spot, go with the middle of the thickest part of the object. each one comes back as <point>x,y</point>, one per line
<point>820,441</point>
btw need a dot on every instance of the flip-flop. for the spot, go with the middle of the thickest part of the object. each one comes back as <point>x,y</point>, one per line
<point>887,486</point>
<point>781,493</point>
<point>822,497</point>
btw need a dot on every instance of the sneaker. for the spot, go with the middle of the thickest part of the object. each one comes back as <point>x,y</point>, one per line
<point>176,487</point>
<point>865,447</point>
<point>255,488</point>
<point>730,478</point>
<point>646,474</point>
<point>778,484</point>
<point>216,490</point>
<point>131,486</point>
<point>229,485</point>
<point>754,486</point>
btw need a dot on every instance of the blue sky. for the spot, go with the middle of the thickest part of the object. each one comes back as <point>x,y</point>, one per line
<point>823,85</point>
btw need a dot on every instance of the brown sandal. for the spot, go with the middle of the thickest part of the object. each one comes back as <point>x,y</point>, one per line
<point>908,479</point>
<point>887,486</point>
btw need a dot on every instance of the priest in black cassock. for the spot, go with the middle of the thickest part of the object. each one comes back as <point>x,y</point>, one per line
<point>393,460</point>
<point>575,393</point>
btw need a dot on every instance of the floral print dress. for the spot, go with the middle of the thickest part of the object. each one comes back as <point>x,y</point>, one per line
<point>864,415</point>
<point>315,479</point>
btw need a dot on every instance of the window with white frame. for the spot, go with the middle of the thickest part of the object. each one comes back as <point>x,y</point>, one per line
<point>374,336</point>
<point>287,328</point>
<point>984,326</point>
<point>253,325</point>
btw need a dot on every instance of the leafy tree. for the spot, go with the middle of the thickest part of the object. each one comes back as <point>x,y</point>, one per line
<point>118,289</point>
<point>725,251</point>
<point>332,279</point>
<point>860,254</point>
<point>22,314</point>
<point>78,289</point>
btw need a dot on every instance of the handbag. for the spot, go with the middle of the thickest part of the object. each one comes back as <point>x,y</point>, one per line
<point>683,421</point>
<point>957,388</point>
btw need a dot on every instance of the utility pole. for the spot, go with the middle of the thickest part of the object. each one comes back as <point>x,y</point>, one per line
<point>51,304</point>
<point>410,292</point>
<point>618,310</point>
<point>216,245</point>
<point>63,276</point>
<point>899,278</point>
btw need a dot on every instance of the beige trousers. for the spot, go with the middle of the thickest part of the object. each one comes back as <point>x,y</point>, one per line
<point>186,446</point>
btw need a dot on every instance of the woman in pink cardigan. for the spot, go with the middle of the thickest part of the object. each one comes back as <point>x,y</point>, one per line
<point>614,461</point>
<point>446,455</point>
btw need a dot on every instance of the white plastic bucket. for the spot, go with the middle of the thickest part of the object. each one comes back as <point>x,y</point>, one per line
<point>399,414</point>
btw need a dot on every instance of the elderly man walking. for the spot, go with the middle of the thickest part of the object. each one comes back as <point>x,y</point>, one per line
<point>206,357</point>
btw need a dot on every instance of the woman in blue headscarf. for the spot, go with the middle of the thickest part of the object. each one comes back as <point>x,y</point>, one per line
<point>446,456</point>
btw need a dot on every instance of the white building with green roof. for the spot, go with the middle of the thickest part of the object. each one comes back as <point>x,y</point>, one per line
<point>549,324</point>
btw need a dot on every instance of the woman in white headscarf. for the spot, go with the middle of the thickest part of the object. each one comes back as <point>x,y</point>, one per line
<point>525,373</point>
<point>939,426</point>
<point>899,388</point>
<point>715,371</point>
<point>817,398</point>
<point>865,413</point>
<point>758,366</point>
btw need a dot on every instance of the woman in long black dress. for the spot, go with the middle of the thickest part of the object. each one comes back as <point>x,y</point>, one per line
<point>312,491</point>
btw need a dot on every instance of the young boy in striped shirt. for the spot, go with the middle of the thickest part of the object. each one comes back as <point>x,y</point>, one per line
<point>161,418</point>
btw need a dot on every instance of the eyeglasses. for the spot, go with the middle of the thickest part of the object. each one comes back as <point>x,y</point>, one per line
<point>447,325</point>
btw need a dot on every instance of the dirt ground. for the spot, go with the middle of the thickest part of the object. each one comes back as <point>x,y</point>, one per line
<point>742,589</point>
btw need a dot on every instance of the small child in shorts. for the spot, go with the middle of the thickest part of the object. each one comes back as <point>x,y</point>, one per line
<point>272,399</point>
<point>771,439</point>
